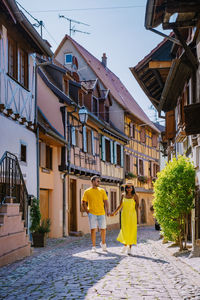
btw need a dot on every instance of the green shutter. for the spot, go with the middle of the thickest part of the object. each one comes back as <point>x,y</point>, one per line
<point>84,139</point>
<point>103,152</point>
<point>111,152</point>
<point>115,153</point>
<point>93,144</point>
<point>122,156</point>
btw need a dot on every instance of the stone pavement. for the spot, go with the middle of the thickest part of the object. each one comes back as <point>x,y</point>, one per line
<point>66,269</point>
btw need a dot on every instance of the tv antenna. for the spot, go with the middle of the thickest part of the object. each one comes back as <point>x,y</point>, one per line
<point>72,28</point>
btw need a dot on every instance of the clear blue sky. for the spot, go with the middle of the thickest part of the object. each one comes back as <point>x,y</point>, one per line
<point>115,30</point>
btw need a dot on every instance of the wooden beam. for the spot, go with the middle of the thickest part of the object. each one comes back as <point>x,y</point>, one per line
<point>159,64</point>
<point>182,6</point>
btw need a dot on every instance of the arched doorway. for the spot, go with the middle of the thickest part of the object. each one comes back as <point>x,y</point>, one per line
<point>143,218</point>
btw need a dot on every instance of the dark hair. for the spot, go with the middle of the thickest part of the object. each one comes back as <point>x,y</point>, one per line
<point>94,177</point>
<point>133,190</point>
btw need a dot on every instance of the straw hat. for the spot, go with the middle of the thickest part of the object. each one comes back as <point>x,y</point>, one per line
<point>128,182</point>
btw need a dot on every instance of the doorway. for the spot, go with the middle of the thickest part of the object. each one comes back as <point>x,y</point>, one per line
<point>44,204</point>
<point>72,206</point>
<point>143,212</point>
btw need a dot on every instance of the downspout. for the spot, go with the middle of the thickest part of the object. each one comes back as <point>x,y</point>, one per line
<point>37,135</point>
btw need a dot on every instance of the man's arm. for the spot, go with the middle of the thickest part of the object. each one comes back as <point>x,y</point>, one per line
<point>106,207</point>
<point>85,207</point>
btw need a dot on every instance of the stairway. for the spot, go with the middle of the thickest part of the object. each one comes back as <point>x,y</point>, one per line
<point>14,242</point>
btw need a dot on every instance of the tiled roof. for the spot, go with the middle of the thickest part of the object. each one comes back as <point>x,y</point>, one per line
<point>111,82</point>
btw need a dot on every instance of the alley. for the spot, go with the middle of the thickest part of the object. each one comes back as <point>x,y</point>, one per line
<point>71,271</point>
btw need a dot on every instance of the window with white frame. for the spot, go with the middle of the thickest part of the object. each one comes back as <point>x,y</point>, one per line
<point>68,58</point>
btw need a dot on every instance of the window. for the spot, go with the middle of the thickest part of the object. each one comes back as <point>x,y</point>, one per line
<point>48,157</point>
<point>23,153</point>
<point>127,163</point>
<point>22,67</point>
<point>107,150</point>
<point>119,154</point>
<point>155,170</point>
<point>140,167</point>
<point>95,106</point>
<point>113,200</point>
<point>68,58</point>
<point>66,87</point>
<point>17,63</point>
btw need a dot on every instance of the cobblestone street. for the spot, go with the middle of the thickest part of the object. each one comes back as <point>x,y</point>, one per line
<point>68,270</point>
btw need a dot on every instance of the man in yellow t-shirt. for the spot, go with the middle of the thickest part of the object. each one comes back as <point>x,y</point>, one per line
<point>95,204</point>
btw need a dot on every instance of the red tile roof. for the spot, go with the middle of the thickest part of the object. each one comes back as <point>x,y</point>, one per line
<point>111,82</point>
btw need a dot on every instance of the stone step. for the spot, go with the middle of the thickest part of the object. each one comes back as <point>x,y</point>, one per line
<point>16,254</point>
<point>3,216</point>
<point>10,208</point>
<point>13,241</point>
<point>12,224</point>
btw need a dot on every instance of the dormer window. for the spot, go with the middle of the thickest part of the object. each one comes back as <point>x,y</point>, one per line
<point>68,58</point>
<point>107,114</point>
<point>95,106</point>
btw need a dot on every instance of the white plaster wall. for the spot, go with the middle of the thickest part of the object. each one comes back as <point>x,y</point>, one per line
<point>11,133</point>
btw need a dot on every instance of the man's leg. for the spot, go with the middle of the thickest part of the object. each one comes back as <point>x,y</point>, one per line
<point>93,237</point>
<point>103,236</point>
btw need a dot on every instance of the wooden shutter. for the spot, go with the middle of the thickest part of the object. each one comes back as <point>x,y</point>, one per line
<point>103,152</point>
<point>170,124</point>
<point>122,156</point>
<point>111,152</point>
<point>84,139</point>
<point>93,142</point>
<point>154,140</point>
<point>142,135</point>
<point>73,136</point>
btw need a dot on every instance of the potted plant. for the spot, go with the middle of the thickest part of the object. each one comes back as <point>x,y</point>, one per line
<point>142,178</point>
<point>130,175</point>
<point>39,229</point>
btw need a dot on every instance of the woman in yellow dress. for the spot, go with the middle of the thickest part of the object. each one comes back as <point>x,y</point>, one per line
<point>129,203</point>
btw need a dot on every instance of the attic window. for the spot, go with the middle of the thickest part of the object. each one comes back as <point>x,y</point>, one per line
<point>68,58</point>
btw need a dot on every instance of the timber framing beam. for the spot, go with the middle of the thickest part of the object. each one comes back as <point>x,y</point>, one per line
<point>160,64</point>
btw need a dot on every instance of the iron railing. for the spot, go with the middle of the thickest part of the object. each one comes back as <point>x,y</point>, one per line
<point>12,183</point>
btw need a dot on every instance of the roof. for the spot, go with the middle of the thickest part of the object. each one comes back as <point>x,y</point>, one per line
<point>152,79</point>
<point>117,89</point>
<point>19,18</point>
<point>160,11</point>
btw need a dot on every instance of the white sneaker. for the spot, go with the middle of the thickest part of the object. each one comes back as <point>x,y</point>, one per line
<point>124,249</point>
<point>129,251</point>
<point>103,246</point>
<point>94,250</point>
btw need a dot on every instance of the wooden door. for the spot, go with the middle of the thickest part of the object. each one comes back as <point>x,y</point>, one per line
<point>72,206</point>
<point>44,204</point>
<point>143,212</point>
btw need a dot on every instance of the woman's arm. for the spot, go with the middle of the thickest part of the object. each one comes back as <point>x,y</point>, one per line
<point>118,208</point>
<point>136,200</point>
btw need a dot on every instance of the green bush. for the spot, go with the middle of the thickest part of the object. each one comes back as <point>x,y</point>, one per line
<point>173,197</point>
<point>36,224</point>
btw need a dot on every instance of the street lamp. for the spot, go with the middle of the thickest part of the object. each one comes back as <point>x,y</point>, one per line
<point>83,115</point>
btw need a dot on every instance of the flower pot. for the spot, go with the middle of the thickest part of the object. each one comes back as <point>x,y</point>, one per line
<point>39,239</point>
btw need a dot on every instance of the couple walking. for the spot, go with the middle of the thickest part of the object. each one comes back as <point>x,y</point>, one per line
<point>95,203</point>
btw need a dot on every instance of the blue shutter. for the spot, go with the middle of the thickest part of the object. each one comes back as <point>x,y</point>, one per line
<point>73,136</point>
<point>84,139</point>
<point>111,152</point>
<point>122,156</point>
<point>93,144</point>
<point>115,153</point>
<point>103,152</point>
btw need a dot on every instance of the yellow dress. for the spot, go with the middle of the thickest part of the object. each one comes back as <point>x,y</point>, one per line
<point>128,232</point>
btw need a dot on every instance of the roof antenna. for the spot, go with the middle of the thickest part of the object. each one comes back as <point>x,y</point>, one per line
<point>72,29</point>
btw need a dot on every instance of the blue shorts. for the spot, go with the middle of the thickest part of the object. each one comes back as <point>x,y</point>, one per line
<point>95,220</point>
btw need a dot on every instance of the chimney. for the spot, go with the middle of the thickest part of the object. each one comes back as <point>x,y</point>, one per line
<point>104,60</point>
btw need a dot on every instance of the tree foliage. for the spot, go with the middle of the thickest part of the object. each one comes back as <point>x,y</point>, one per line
<point>173,197</point>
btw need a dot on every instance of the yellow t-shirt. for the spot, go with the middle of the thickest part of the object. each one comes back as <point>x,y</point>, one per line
<point>95,199</point>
